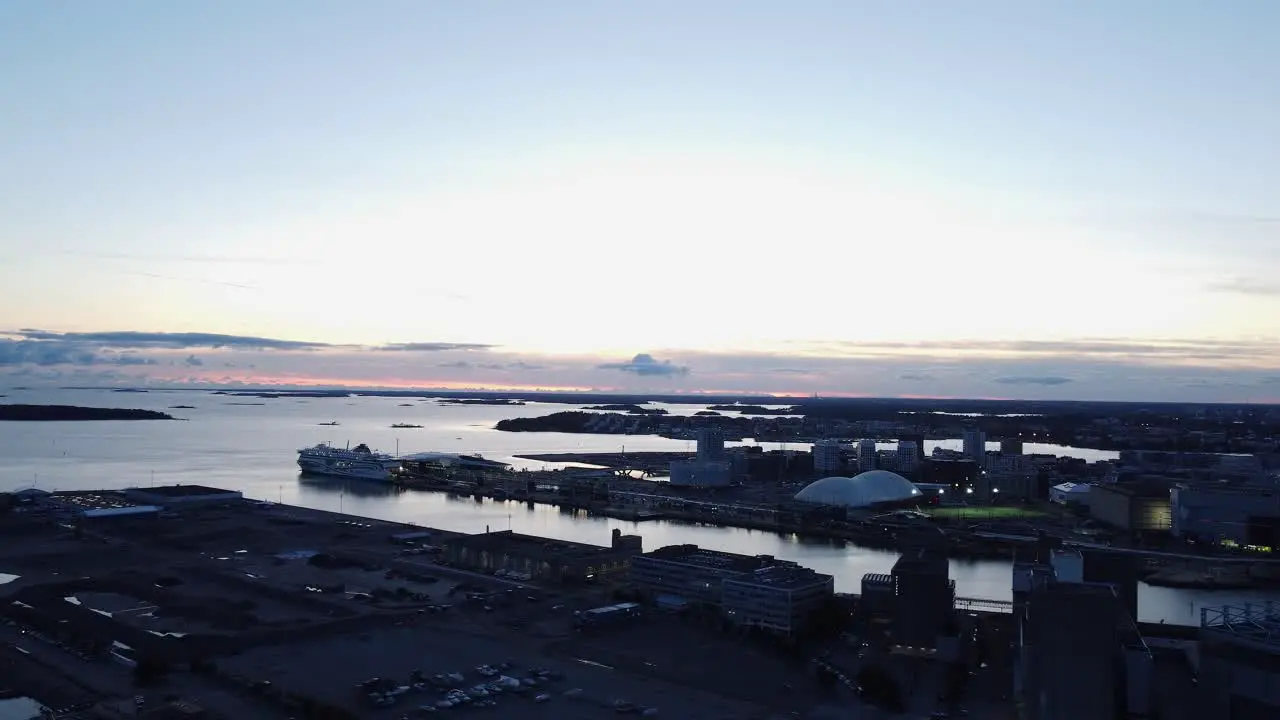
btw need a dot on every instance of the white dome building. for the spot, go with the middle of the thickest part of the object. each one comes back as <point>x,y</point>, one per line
<point>874,487</point>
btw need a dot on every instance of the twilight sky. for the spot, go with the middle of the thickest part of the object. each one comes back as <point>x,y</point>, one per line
<point>990,199</point>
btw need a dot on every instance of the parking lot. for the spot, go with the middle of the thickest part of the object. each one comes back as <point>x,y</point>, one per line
<point>569,687</point>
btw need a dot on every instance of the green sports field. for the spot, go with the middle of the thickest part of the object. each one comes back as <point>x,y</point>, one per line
<point>997,512</point>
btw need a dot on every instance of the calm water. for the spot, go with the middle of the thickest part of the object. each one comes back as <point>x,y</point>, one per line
<point>252,448</point>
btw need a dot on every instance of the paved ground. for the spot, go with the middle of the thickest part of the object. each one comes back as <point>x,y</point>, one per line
<point>434,648</point>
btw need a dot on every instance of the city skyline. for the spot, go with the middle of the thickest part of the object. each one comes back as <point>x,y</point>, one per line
<point>864,198</point>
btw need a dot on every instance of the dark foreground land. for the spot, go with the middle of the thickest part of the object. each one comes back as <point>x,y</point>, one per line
<point>63,413</point>
<point>252,610</point>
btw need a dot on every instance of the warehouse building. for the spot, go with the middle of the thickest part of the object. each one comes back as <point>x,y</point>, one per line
<point>1232,514</point>
<point>1135,507</point>
<point>538,558</point>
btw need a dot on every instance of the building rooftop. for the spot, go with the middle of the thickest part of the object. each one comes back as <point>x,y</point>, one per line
<point>183,490</point>
<point>712,559</point>
<point>529,545</point>
<point>786,577</point>
<point>1255,623</point>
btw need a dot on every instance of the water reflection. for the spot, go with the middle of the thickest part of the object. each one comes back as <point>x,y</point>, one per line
<point>323,485</point>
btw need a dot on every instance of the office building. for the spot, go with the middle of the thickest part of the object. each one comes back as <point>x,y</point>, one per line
<point>1239,653</point>
<point>828,457</point>
<point>1011,446</point>
<point>908,456</point>
<point>866,455</point>
<point>781,598</point>
<point>975,446</point>
<point>756,591</point>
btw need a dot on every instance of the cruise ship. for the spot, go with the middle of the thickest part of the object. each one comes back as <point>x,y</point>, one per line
<point>358,462</point>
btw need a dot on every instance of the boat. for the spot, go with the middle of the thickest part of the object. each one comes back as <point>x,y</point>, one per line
<point>359,462</point>
<point>331,423</point>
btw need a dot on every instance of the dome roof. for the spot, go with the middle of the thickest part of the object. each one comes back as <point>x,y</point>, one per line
<point>868,488</point>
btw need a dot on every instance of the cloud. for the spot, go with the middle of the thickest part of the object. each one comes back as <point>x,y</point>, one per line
<point>1033,380</point>
<point>1098,368</point>
<point>1246,286</point>
<point>432,346</point>
<point>193,361</point>
<point>645,365</point>
<point>133,339</point>
<point>44,354</point>
<point>468,365</point>
<point>1160,350</point>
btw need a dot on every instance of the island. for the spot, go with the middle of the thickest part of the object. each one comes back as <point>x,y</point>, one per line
<point>480,401</point>
<point>64,413</point>
<point>405,426</point>
<point>570,422</point>
<point>756,410</point>
<point>627,408</point>
<point>182,407</point>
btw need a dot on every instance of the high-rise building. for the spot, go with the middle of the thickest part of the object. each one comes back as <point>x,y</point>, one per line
<point>1011,446</point>
<point>827,457</point>
<point>866,455</point>
<point>1071,641</point>
<point>975,446</point>
<point>908,456</point>
<point>924,597</point>
<point>710,444</point>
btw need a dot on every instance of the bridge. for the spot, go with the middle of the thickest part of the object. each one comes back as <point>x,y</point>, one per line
<point>1160,553</point>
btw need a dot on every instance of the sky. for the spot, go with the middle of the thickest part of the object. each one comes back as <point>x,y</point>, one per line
<point>1075,200</point>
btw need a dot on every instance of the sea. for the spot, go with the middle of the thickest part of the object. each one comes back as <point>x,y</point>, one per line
<point>250,444</point>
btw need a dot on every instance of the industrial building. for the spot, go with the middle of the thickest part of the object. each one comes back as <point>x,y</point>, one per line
<point>174,496</point>
<point>874,488</point>
<point>696,473</point>
<point>752,591</point>
<point>1069,493</point>
<point>1135,507</point>
<point>1070,641</point>
<point>1243,515</point>
<point>545,560</point>
<point>1239,657</point>
<point>1071,633</point>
